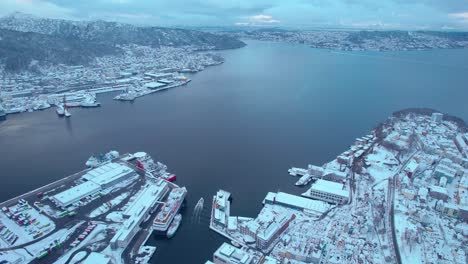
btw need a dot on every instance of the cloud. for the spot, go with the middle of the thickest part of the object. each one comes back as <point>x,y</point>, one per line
<point>263,19</point>
<point>463,16</point>
<point>258,20</point>
<point>36,7</point>
<point>400,14</point>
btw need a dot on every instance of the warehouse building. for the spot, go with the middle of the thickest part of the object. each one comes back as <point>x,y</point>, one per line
<point>296,202</point>
<point>109,174</point>
<point>74,194</point>
<point>144,202</point>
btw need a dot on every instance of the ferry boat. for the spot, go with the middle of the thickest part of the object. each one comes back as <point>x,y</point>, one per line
<point>90,103</point>
<point>157,169</point>
<point>169,209</point>
<point>95,161</point>
<point>129,96</point>
<point>174,226</point>
<point>304,180</point>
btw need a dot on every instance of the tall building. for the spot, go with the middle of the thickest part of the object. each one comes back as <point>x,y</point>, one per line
<point>437,118</point>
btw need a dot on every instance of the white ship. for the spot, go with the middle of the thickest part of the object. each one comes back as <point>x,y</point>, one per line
<point>67,113</point>
<point>174,226</point>
<point>90,101</point>
<point>169,209</point>
<point>129,96</point>
<point>304,180</point>
<point>60,110</point>
<point>95,161</point>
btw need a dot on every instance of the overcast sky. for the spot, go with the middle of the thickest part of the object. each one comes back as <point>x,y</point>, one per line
<point>377,14</point>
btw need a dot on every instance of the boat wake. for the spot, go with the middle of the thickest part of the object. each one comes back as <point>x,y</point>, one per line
<point>197,211</point>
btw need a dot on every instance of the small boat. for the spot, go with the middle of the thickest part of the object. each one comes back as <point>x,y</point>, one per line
<point>174,225</point>
<point>67,114</point>
<point>60,110</point>
<point>89,104</point>
<point>200,203</point>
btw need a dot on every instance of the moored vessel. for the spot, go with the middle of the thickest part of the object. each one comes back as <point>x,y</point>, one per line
<point>174,226</point>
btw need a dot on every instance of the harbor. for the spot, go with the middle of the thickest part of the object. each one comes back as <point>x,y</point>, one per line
<point>131,84</point>
<point>109,209</point>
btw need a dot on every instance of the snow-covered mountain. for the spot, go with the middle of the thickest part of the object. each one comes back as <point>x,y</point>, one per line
<point>20,34</point>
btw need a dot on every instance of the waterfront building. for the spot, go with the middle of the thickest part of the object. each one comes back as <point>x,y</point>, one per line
<point>221,210</point>
<point>269,231</point>
<point>137,211</point>
<point>154,85</point>
<point>437,118</point>
<point>109,174</point>
<point>306,205</point>
<point>328,191</point>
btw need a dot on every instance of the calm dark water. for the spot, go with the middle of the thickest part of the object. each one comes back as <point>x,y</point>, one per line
<point>238,126</point>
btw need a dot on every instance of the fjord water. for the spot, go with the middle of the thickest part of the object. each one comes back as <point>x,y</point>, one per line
<point>238,126</point>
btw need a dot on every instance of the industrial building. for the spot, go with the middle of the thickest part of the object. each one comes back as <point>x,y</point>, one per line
<point>328,191</point>
<point>145,200</point>
<point>154,85</point>
<point>74,194</point>
<point>296,202</point>
<point>109,174</point>
<point>95,180</point>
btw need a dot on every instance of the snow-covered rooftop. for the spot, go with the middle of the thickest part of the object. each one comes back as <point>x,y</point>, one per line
<point>76,193</point>
<point>95,257</point>
<point>296,201</point>
<point>330,187</point>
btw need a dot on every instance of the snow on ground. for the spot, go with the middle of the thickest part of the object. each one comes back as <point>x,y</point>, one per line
<point>92,237</point>
<point>104,208</point>
<point>78,257</point>
<point>26,234</point>
<point>409,252</point>
<point>379,161</point>
<point>115,217</point>
<point>61,235</point>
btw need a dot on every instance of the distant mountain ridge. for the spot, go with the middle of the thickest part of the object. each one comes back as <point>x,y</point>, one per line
<point>96,36</point>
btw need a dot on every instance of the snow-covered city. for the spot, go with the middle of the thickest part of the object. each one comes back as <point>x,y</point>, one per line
<point>139,71</point>
<point>397,195</point>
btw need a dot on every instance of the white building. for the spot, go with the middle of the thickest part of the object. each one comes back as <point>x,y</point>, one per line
<point>109,174</point>
<point>154,85</point>
<point>227,254</point>
<point>221,207</point>
<point>328,191</point>
<point>296,202</point>
<point>75,194</point>
<point>137,211</point>
<point>437,118</point>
